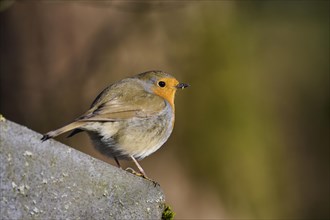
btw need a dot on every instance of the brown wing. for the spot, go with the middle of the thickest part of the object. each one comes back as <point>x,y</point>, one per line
<point>119,103</point>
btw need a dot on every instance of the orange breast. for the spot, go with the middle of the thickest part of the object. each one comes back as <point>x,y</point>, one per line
<point>167,92</point>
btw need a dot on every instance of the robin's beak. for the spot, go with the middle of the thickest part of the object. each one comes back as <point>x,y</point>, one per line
<point>182,85</point>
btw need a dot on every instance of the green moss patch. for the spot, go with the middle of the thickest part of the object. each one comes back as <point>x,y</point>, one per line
<point>168,214</point>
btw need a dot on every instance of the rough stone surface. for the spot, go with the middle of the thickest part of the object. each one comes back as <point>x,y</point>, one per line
<point>49,180</point>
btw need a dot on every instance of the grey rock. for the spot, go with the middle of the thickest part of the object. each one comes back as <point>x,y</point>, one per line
<point>49,180</point>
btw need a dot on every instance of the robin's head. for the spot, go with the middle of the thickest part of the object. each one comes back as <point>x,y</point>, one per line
<point>162,84</point>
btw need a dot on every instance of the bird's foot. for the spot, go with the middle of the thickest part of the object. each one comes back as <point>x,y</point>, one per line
<point>132,171</point>
<point>128,169</point>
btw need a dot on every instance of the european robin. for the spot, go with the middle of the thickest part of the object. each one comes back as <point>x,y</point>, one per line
<point>131,118</point>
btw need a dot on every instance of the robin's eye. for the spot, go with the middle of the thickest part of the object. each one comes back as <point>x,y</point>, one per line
<point>161,83</point>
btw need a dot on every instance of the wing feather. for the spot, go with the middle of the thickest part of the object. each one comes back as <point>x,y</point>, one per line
<point>113,105</point>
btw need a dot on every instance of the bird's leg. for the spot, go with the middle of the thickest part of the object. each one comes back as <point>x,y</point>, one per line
<point>131,170</point>
<point>142,173</point>
<point>117,162</point>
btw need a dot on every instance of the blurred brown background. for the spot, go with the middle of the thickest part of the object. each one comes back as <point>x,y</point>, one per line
<point>251,138</point>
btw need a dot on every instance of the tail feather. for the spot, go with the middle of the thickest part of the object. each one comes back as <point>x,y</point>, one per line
<point>45,137</point>
<point>74,132</point>
<point>61,130</point>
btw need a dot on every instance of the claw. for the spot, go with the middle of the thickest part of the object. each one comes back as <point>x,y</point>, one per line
<point>131,170</point>
<point>128,169</point>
